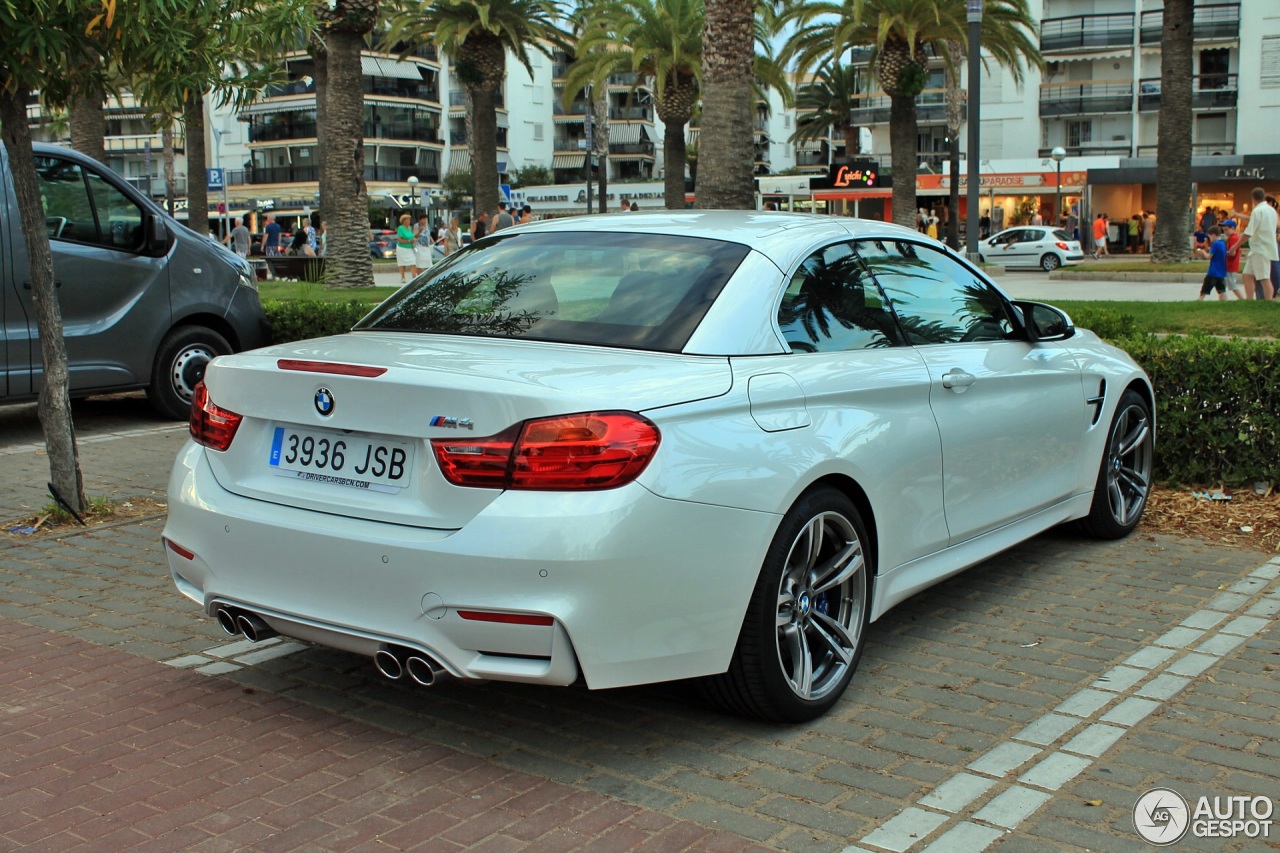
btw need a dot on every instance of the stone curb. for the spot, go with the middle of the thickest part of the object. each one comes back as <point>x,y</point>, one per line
<point>1161,277</point>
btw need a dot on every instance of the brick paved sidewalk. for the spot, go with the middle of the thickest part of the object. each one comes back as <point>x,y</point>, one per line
<point>103,751</point>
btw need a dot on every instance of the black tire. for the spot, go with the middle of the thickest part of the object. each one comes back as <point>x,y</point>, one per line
<point>1050,262</point>
<point>180,363</point>
<point>805,625</point>
<point>1124,474</point>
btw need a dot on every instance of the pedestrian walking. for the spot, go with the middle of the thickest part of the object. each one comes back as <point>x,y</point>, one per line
<point>404,247</point>
<point>452,237</point>
<point>422,245</point>
<point>1216,277</point>
<point>503,218</point>
<point>1232,239</point>
<point>1148,231</point>
<point>479,227</point>
<point>238,239</point>
<point>1100,237</point>
<point>1261,234</point>
<point>271,237</point>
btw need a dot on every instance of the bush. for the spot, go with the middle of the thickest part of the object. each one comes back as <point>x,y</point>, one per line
<point>1217,407</point>
<point>1107,323</point>
<point>299,319</point>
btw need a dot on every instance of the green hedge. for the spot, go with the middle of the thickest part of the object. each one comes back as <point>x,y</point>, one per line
<point>299,319</point>
<point>1217,407</point>
<point>1217,401</point>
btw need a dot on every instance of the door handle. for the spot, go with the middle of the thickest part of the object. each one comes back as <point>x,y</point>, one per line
<point>57,282</point>
<point>957,378</point>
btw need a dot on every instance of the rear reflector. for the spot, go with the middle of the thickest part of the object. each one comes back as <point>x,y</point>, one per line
<point>505,618</point>
<point>332,367</point>
<point>179,550</point>
<point>597,450</point>
<point>212,425</point>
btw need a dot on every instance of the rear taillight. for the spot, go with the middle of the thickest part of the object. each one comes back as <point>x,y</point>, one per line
<point>1063,246</point>
<point>599,450</point>
<point>212,425</point>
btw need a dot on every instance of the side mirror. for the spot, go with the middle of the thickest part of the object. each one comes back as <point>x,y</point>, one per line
<point>1044,322</point>
<point>157,235</point>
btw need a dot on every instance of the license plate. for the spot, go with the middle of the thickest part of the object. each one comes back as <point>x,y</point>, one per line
<point>357,460</point>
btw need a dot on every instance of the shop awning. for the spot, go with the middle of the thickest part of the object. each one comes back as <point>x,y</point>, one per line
<point>262,107</point>
<point>459,160</point>
<point>652,132</point>
<point>372,66</point>
<point>624,134</point>
<point>569,161</point>
<point>851,195</point>
<point>1085,57</point>
<point>691,135</point>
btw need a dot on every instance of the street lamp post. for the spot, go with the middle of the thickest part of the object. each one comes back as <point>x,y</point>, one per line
<point>413,196</point>
<point>217,157</point>
<point>1058,154</point>
<point>974,17</point>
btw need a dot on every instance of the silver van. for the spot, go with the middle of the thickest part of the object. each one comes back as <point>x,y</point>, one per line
<point>146,302</point>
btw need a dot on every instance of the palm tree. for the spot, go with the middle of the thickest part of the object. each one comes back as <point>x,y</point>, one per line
<point>904,35</point>
<point>827,102</point>
<point>659,40</point>
<point>477,35</point>
<point>1173,163</point>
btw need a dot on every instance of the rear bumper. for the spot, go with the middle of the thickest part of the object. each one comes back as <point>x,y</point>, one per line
<point>639,588</point>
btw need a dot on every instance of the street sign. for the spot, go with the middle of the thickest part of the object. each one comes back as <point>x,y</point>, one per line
<point>505,189</point>
<point>215,178</point>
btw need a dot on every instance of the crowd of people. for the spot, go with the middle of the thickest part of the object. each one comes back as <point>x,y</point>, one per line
<point>1243,250</point>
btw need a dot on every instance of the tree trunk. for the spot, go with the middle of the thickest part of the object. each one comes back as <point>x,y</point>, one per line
<point>1173,162</point>
<point>170,169</point>
<point>600,130</point>
<point>726,145</point>
<point>197,160</point>
<point>343,191</point>
<point>88,123</point>
<point>852,142</point>
<point>902,147</point>
<point>320,57</point>
<point>955,118</point>
<point>482,138</point>
<point>673,181</point>
<point>55,391</point>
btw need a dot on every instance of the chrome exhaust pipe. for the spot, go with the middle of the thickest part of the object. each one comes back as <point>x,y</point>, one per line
<point>254,628</point>
<point>424,670</point>
<point>389,661</point>
<point>227,619</point>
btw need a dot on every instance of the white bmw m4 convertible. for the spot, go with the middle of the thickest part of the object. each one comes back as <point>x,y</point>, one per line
<point>617,450</point>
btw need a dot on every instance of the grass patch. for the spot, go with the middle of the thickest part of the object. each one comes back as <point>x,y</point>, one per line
<point>310,291</point>
<point>1142,266</point>
<point>1236,318</point>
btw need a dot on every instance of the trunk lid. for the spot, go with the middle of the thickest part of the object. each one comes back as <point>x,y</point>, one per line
<point>433,386</point>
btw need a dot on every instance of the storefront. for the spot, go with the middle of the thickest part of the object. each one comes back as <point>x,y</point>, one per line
<point>1010,198</point>
<point>854,189</point>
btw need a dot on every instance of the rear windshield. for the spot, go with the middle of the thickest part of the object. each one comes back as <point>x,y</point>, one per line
<point>1063,235</point>
<point>645,291</point>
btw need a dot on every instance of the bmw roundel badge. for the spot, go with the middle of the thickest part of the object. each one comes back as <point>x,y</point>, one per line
<point>324,401</point>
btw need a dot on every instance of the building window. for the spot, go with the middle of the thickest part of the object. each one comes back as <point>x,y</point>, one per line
<point>537,132</point>
<point>1079,133</point>
<point>1270,76</point>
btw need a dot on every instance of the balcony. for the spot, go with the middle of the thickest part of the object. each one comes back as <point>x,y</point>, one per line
<point>644,149</point>
<point>401,89</point>
<point>568,143</point>
<point>400,174</point>
<point>1208,92</point>
<point>1198,149</point>
<point>629,79</point>
<point>810,158</point>
<point>282,130</point>
<point>1217,22</point>
<point>559,71</point>
<point>284,174</point>
<point>631,114</point>
<point>1086,31</point>
<point>576,108</point>
<point>141,142</point>
<point>409,130</point>
<point>1070,99</point>
<point>1090,151</point>
<point>458,137</point>
<point>931,108</point>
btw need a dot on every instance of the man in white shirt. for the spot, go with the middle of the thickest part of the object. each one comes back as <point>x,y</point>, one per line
<point>1261,234</point>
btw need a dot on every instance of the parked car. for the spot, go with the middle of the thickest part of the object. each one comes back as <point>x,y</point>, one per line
<point>628,449</point>
<point>145,301</point>
<point>1032,246</point>
<point>382,249</point>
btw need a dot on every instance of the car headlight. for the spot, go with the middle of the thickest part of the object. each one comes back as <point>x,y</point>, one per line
<point>248,280</point>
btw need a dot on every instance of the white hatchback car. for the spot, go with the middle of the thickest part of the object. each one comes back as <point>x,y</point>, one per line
<point>622,450</point>
<point>1032,246</point>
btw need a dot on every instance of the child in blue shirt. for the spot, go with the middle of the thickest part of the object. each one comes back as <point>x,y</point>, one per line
<point>1216,279</point>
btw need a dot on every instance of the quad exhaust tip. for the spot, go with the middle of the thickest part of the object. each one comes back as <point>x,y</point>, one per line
<point>395,662</point>
<point>252,626</point>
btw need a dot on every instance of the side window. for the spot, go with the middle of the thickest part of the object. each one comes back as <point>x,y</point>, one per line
<point>832,305</point>
<point>81,207</point>
<point>937,299</point>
